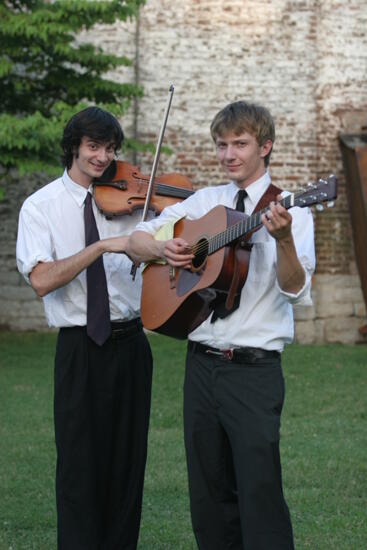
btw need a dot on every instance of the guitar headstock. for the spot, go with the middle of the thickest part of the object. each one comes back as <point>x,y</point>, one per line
<point>317,193</point>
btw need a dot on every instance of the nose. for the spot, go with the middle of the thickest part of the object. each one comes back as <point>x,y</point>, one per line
<point>103,155</point>
<point>229,152</point>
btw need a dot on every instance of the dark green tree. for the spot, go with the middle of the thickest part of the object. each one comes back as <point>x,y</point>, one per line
<point>46,75</point>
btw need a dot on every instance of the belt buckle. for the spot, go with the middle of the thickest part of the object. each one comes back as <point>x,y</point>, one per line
<point>227,354</point>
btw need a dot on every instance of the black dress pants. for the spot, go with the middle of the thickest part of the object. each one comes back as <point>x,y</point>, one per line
<point>231,423</point>
<point>101,408</point>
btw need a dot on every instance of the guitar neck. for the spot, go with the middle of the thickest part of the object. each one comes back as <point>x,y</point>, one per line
<point>245,226</point>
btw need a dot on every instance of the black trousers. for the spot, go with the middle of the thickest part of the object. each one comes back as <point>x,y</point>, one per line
<point>231,423</point>
<point>101,408</point>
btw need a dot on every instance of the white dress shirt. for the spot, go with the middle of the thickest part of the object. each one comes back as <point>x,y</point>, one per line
<point>264,318</point>
<point>51,227</point>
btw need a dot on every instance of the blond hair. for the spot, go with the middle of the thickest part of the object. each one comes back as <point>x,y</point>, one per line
<point>241,116</point>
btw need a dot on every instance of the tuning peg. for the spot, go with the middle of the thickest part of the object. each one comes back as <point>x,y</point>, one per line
<point>319,207</point>
<point>311,184</point>
<point>330,204</point>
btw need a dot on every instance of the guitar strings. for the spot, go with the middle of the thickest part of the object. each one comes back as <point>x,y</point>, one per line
<point>198,248</point>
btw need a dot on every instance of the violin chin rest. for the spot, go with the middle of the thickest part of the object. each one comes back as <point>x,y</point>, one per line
<point>108,174</point>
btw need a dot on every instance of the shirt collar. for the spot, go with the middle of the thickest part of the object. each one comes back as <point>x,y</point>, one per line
<point>78,192</point>
<point>254,191</point>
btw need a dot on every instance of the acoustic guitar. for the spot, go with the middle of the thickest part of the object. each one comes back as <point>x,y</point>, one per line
<point>175,301</point>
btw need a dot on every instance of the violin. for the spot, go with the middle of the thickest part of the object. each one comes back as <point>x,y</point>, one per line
<point>122,189</point>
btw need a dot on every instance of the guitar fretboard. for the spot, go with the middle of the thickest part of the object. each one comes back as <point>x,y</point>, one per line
<point>245,226</point>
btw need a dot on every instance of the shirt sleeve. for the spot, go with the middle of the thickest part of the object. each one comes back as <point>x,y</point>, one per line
<point>303,235</point>
<point>34,241</point>
<point>189,208</point>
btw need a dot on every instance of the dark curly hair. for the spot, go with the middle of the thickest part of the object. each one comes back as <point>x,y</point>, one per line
<point>94,123</point>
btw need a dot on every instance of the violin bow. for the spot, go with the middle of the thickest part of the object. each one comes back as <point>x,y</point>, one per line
<point>155,165</point>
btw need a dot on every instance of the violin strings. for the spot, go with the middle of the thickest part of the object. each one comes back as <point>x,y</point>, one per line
<point>168,190</point>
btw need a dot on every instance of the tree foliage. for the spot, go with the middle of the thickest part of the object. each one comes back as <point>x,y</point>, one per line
<point>46,75</point>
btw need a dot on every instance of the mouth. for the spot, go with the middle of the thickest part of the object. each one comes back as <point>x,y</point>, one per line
<point>232,167</point>
<point>99,167</point>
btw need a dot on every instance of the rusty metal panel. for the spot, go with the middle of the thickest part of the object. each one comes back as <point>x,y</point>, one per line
<point>354,153</point>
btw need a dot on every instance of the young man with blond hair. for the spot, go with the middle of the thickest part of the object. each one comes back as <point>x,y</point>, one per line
<point>234,387</point>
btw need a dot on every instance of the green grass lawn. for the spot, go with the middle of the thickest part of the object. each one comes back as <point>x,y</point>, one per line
<point>324,447</point>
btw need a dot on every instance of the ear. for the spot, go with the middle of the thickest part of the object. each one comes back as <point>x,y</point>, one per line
<point>266,148</point>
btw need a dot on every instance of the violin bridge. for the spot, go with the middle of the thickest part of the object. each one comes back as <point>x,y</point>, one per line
<point>172,280</point>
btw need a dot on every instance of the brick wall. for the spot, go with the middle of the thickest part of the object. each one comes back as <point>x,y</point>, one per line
<point>307,62</point>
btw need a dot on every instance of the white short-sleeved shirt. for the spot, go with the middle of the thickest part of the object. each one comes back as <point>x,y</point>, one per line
<point>51,227</point>
<point>264,318</point>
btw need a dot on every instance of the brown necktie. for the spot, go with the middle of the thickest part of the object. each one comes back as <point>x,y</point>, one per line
<point>98,307</point>
<point>220,309</point>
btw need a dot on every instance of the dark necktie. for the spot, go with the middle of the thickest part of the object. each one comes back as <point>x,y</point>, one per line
<point>240,204</point>
<point>220,309</point>
<point>98,307</point>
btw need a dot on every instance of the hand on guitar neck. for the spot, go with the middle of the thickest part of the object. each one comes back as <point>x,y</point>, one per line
<point>277,220</point>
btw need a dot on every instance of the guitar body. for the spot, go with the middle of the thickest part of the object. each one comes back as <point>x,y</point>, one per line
<point>175,301</point>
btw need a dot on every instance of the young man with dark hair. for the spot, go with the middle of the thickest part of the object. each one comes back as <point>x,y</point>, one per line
<point>234,388</point>
<point>74,259</point>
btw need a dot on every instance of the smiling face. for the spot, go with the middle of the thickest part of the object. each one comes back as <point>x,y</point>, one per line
<point>91,160</point>
<point>242,157</point>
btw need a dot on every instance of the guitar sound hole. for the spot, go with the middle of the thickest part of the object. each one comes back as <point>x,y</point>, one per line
<point>201,253</point>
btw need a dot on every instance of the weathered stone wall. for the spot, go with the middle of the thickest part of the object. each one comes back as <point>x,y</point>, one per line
<point>20,309</point>
<point>306,60</point>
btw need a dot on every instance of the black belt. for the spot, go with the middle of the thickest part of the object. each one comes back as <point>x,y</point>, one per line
<point>121,329</point>
<point>246,355</point>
